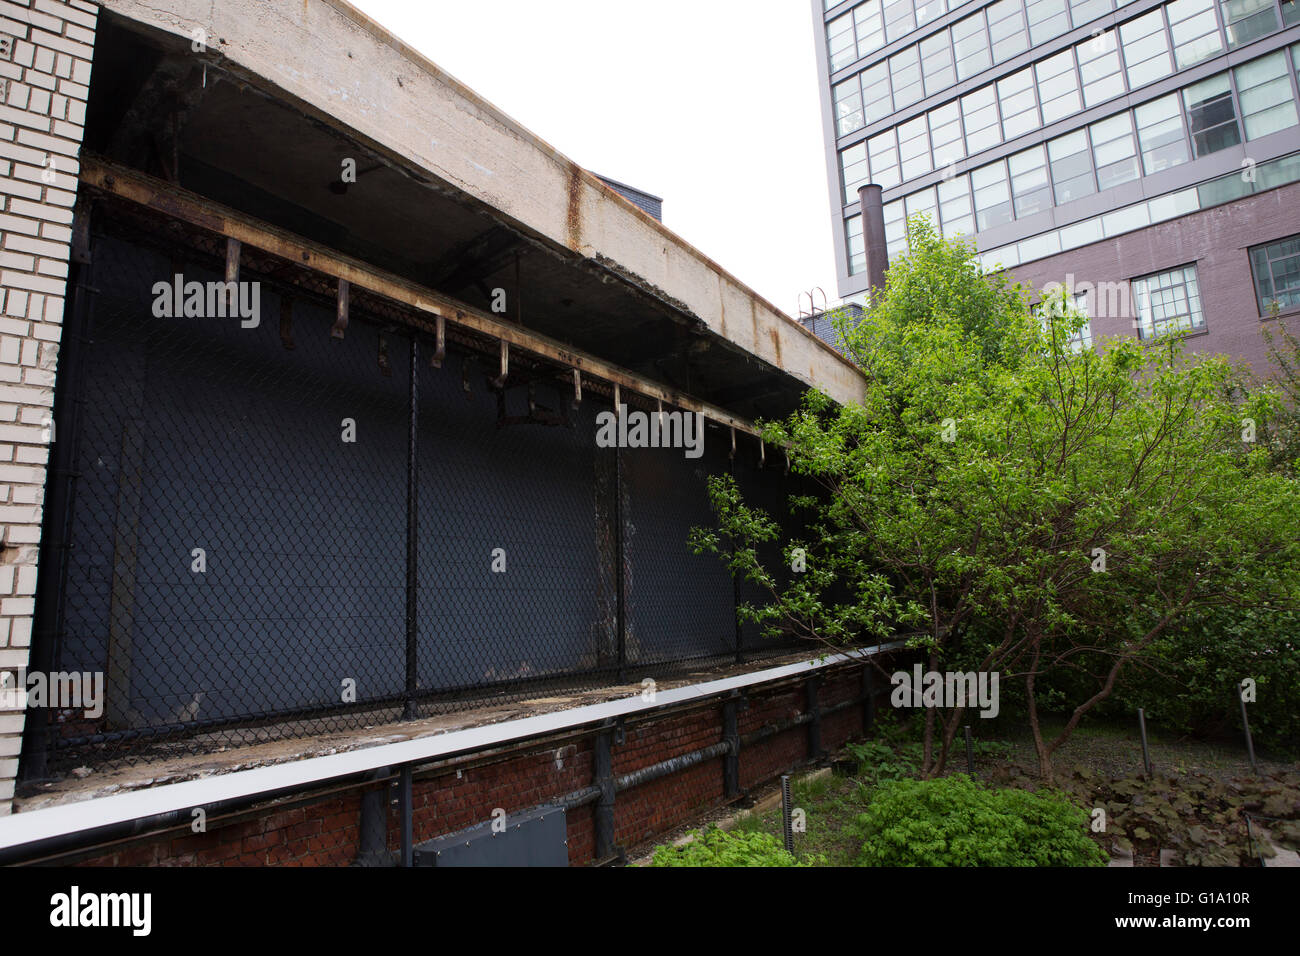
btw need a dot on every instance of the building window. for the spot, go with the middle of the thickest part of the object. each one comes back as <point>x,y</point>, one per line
<point>1019,104</point>
<point>1071,162</point>
<point>1264,91</point>
<point>1084,11</point>
<point>1246,20</point>
<point>914,146</point>
<point>898,19</point>
<point>840,43</point>
<point>1099,67</point>
<point>1030,189</point>
<point>853,166</point>
<point>1277,275</point>
<point>979,112</point>
<point>931,10</point>
<point>1047,19</point>
<point>848,107</point>
<point>1290,12</point>
<point>876,101</point>
<point>923,203</point>
<point>1007,29</point>
<point>955,207</point>
<point>1146,49</point>
<point>1161,134</point>
<point>970,42</point>
<point>869,26</point>
<point>945,135</point>
<point>1076,306</point>
<point>936,63</point>
<point>883,152</point>
<point>1195,30</point>
<point>1058,87</point>
<point>1211,115</point>
<point>856,245</point>
<point>905,77</point>
<point>1114,150</point>
<point>1167,302</point>
<point>992,195</point>
<point>895,229</point>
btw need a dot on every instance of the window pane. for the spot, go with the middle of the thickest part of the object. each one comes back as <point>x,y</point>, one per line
<point>945,135</point>
<point>970,42</point>
<point>1058,87</point>
<point>1099,66</point>
<point>1007,29</point>
<point>876,100</point>
<point>1167,302</point>
<point>853,167</point>
<point>848,106</point>
<point>1146,49</point>
<point>895,228</point>
<point>898,18</point>
<point>839,41</point>
<point>883,152</point>
<point>1114,150</point>
<point>1211,115</point>
<point>1246,20</point>
<point>936,63</point>
<point>870,27</point>
<point>1047,19</point>
<point>914,146</point>
<point>1277,274</point>
<point>1071,161</point>
<point>1161,134</point>
<point>1264,90</point>
<point>1290,12</point>
<point>857,246</point>
<point>1082,11</point>
<point>979,110</point>
<point>931,10</point>
<point>955,207</point>
<point>1019,103</point>
<point>1195,30</point>
<point>905,77</point>
<point>992,195</point>
<point>923,203</point>
<point>1030,189</point>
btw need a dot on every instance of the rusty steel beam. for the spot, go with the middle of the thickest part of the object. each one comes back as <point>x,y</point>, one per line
<point>167,199</point>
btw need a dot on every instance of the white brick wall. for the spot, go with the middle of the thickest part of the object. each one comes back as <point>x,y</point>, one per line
<point>45,58</point>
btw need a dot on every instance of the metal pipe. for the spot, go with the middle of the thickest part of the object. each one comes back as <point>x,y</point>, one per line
<point>1146,753</point>
<point>873,236</point>
<point>620,602</point>
<point>787,808</point>
<point>410,711</point>
<point>673,765</point>
<point>408,814</point>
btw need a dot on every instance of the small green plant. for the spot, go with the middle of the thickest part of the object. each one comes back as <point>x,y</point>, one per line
<point>715,847</point>
<point>954,821</point>
<point>878,761</point>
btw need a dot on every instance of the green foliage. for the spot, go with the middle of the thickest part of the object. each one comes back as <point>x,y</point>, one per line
<point>970,492</point>
<point>953,821</point>
<point>715,847</point>
<point>879,761</point>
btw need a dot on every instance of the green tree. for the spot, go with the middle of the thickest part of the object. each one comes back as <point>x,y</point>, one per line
<point>1025,504</point>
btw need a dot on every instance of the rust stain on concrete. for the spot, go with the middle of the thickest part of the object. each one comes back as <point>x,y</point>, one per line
<point>574,218</point>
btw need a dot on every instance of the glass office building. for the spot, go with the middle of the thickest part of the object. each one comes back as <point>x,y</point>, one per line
<point>1079,137</point>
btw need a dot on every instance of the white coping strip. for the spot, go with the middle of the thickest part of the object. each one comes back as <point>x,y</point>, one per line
<point>17,829</point>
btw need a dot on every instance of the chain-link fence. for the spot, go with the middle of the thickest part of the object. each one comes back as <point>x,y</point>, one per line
<point>235,551</point>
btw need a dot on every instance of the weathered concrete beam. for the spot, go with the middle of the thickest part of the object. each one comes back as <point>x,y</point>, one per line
<point>342,67</point>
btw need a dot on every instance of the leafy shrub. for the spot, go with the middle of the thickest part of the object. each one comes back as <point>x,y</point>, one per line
<point>878,761</point>
<point>953,821</point>
<point>715,847</point>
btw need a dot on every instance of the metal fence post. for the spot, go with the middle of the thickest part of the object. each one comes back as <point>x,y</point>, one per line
<point>605,805</point>
<point>408,825</point>
<point>815,725</point>
<point>412,534</point>
<point>731,736</point>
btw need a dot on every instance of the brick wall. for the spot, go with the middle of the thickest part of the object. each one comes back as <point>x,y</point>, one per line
<point>45,58</point>
<point>326,832</point>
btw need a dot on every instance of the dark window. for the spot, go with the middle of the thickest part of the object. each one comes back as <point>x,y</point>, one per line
<point>1277,274</point>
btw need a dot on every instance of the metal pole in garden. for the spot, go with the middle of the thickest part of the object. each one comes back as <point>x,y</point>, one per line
<point>1146,753</point>
<point>1250,744</point>
<point>970,753</point>
<point>786,811</point>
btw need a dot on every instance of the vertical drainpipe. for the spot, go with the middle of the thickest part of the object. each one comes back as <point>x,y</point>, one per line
<point>873,235</point>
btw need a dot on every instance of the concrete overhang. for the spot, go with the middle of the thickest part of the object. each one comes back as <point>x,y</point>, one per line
<point>451,193</point>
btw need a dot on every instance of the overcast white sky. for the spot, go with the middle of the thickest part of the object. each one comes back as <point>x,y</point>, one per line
<point>711,104</point>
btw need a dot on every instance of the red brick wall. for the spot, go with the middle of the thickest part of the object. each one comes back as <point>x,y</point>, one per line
<point>327,832</point>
